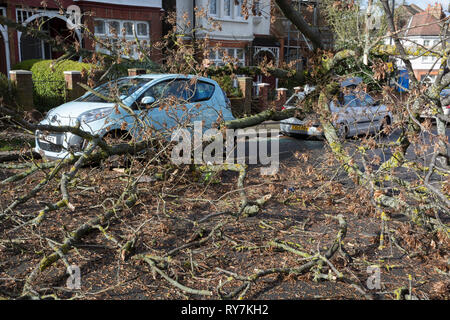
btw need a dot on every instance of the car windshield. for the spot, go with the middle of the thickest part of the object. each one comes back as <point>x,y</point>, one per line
<point>121,88</point>
<point>445,93</point>
<point>295,99</point>
<point>366,100</point>
<point>350,100</point>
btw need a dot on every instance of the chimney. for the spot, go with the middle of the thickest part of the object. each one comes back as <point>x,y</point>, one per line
<point>436,11</point>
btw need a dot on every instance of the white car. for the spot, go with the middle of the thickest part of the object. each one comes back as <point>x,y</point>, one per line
<point>201,100</point>
<point>445,101</point>
<point>356,113</point>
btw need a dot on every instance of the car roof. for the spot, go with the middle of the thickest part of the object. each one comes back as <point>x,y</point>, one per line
<point>445,92</point>
<point>159,76</point>
<point>351,82</point>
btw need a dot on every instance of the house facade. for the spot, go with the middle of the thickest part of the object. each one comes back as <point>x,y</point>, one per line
<point>228,28</point>
<point>294,45</point>
<point>424,31</point>
<point>102,18</point>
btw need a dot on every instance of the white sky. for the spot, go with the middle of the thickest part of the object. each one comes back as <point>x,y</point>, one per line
<point>424,3</point>
<point>421,3</point>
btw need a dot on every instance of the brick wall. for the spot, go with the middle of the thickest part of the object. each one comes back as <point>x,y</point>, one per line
<point>100,10</point>
<point>150,15</point>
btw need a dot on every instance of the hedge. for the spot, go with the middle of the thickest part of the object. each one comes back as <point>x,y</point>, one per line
<point>25,64</point>
<point>48,81</point>
<point>226,83</point>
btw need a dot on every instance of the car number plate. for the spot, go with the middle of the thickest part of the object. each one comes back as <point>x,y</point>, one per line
<point>299,127</point>
<point>48,139</point>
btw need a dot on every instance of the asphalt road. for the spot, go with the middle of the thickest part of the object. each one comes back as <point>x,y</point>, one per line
<point>288,146</point>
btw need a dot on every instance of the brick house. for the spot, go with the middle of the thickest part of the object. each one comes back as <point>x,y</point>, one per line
<point>294,45</point>
<point>236,33</point>
<point>424,30</point>
<point>100,16</point>
<point>254,38</point>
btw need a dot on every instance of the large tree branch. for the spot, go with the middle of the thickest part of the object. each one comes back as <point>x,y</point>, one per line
<point>296,18</point>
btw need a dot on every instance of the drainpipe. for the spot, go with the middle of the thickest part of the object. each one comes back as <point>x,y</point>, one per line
<point>193,19</point>
<point>7,50</point>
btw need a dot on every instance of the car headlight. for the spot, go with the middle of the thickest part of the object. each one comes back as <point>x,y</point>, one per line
<point>95,114</point>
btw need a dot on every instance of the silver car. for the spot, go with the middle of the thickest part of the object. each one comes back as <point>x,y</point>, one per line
<point>445,102</point>
<point>199,99</point>
<point>356,113</point>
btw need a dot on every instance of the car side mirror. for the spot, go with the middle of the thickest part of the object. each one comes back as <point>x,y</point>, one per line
<point>147,100</point>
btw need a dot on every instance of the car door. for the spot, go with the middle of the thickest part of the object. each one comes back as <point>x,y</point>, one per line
<point>371,113</point>
<point>206,106</point>
<point>170,107</point>
<point>351,110</point>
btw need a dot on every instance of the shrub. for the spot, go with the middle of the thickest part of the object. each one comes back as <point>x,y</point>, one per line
<point>226,83</point>
<point>48,81</point>
<point>25,64</point>
<point>121,69</point>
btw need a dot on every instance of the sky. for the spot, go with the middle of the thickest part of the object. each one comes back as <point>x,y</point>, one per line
<point>424,3</point>
<point>421,3</point>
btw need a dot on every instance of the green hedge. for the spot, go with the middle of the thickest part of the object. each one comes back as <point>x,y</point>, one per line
<point>226,83</point>
<point>25,64</point>
<point>48,81</point>
<point>121,69</point>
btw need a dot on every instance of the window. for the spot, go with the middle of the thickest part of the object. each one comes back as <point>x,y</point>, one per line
<point>256,8</point>
<point>351,100</point>
<point>142,29</point>
<point>213,6</point>
<point>114,27</point>
<point>366,100</point>
<point>124,29</point>
<point>239,8</point>
<point>218,58</point>
<point>427,59</point>
<point>426,43</point>
<point>201,91</point>
<point>128,26</point>
<point>169,88</point>
<point>99,26</point>
<point>227,8</point>
<point>114,89</point>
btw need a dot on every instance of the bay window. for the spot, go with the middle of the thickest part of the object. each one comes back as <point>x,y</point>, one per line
<point>113,30</point>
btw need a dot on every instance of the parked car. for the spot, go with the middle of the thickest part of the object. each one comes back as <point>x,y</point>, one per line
<point>445,101</point>
<point>297,97</point>
<point>356,113</point>
<point>199,99</point>
<point>445,98</point>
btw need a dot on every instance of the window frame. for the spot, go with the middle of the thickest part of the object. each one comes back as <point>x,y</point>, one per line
<point>128,37</point>
<point>215,13</point>
<point>190,100</point>
<point>218,61</point>
<point>230,9</point>
<point>238,10</point>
